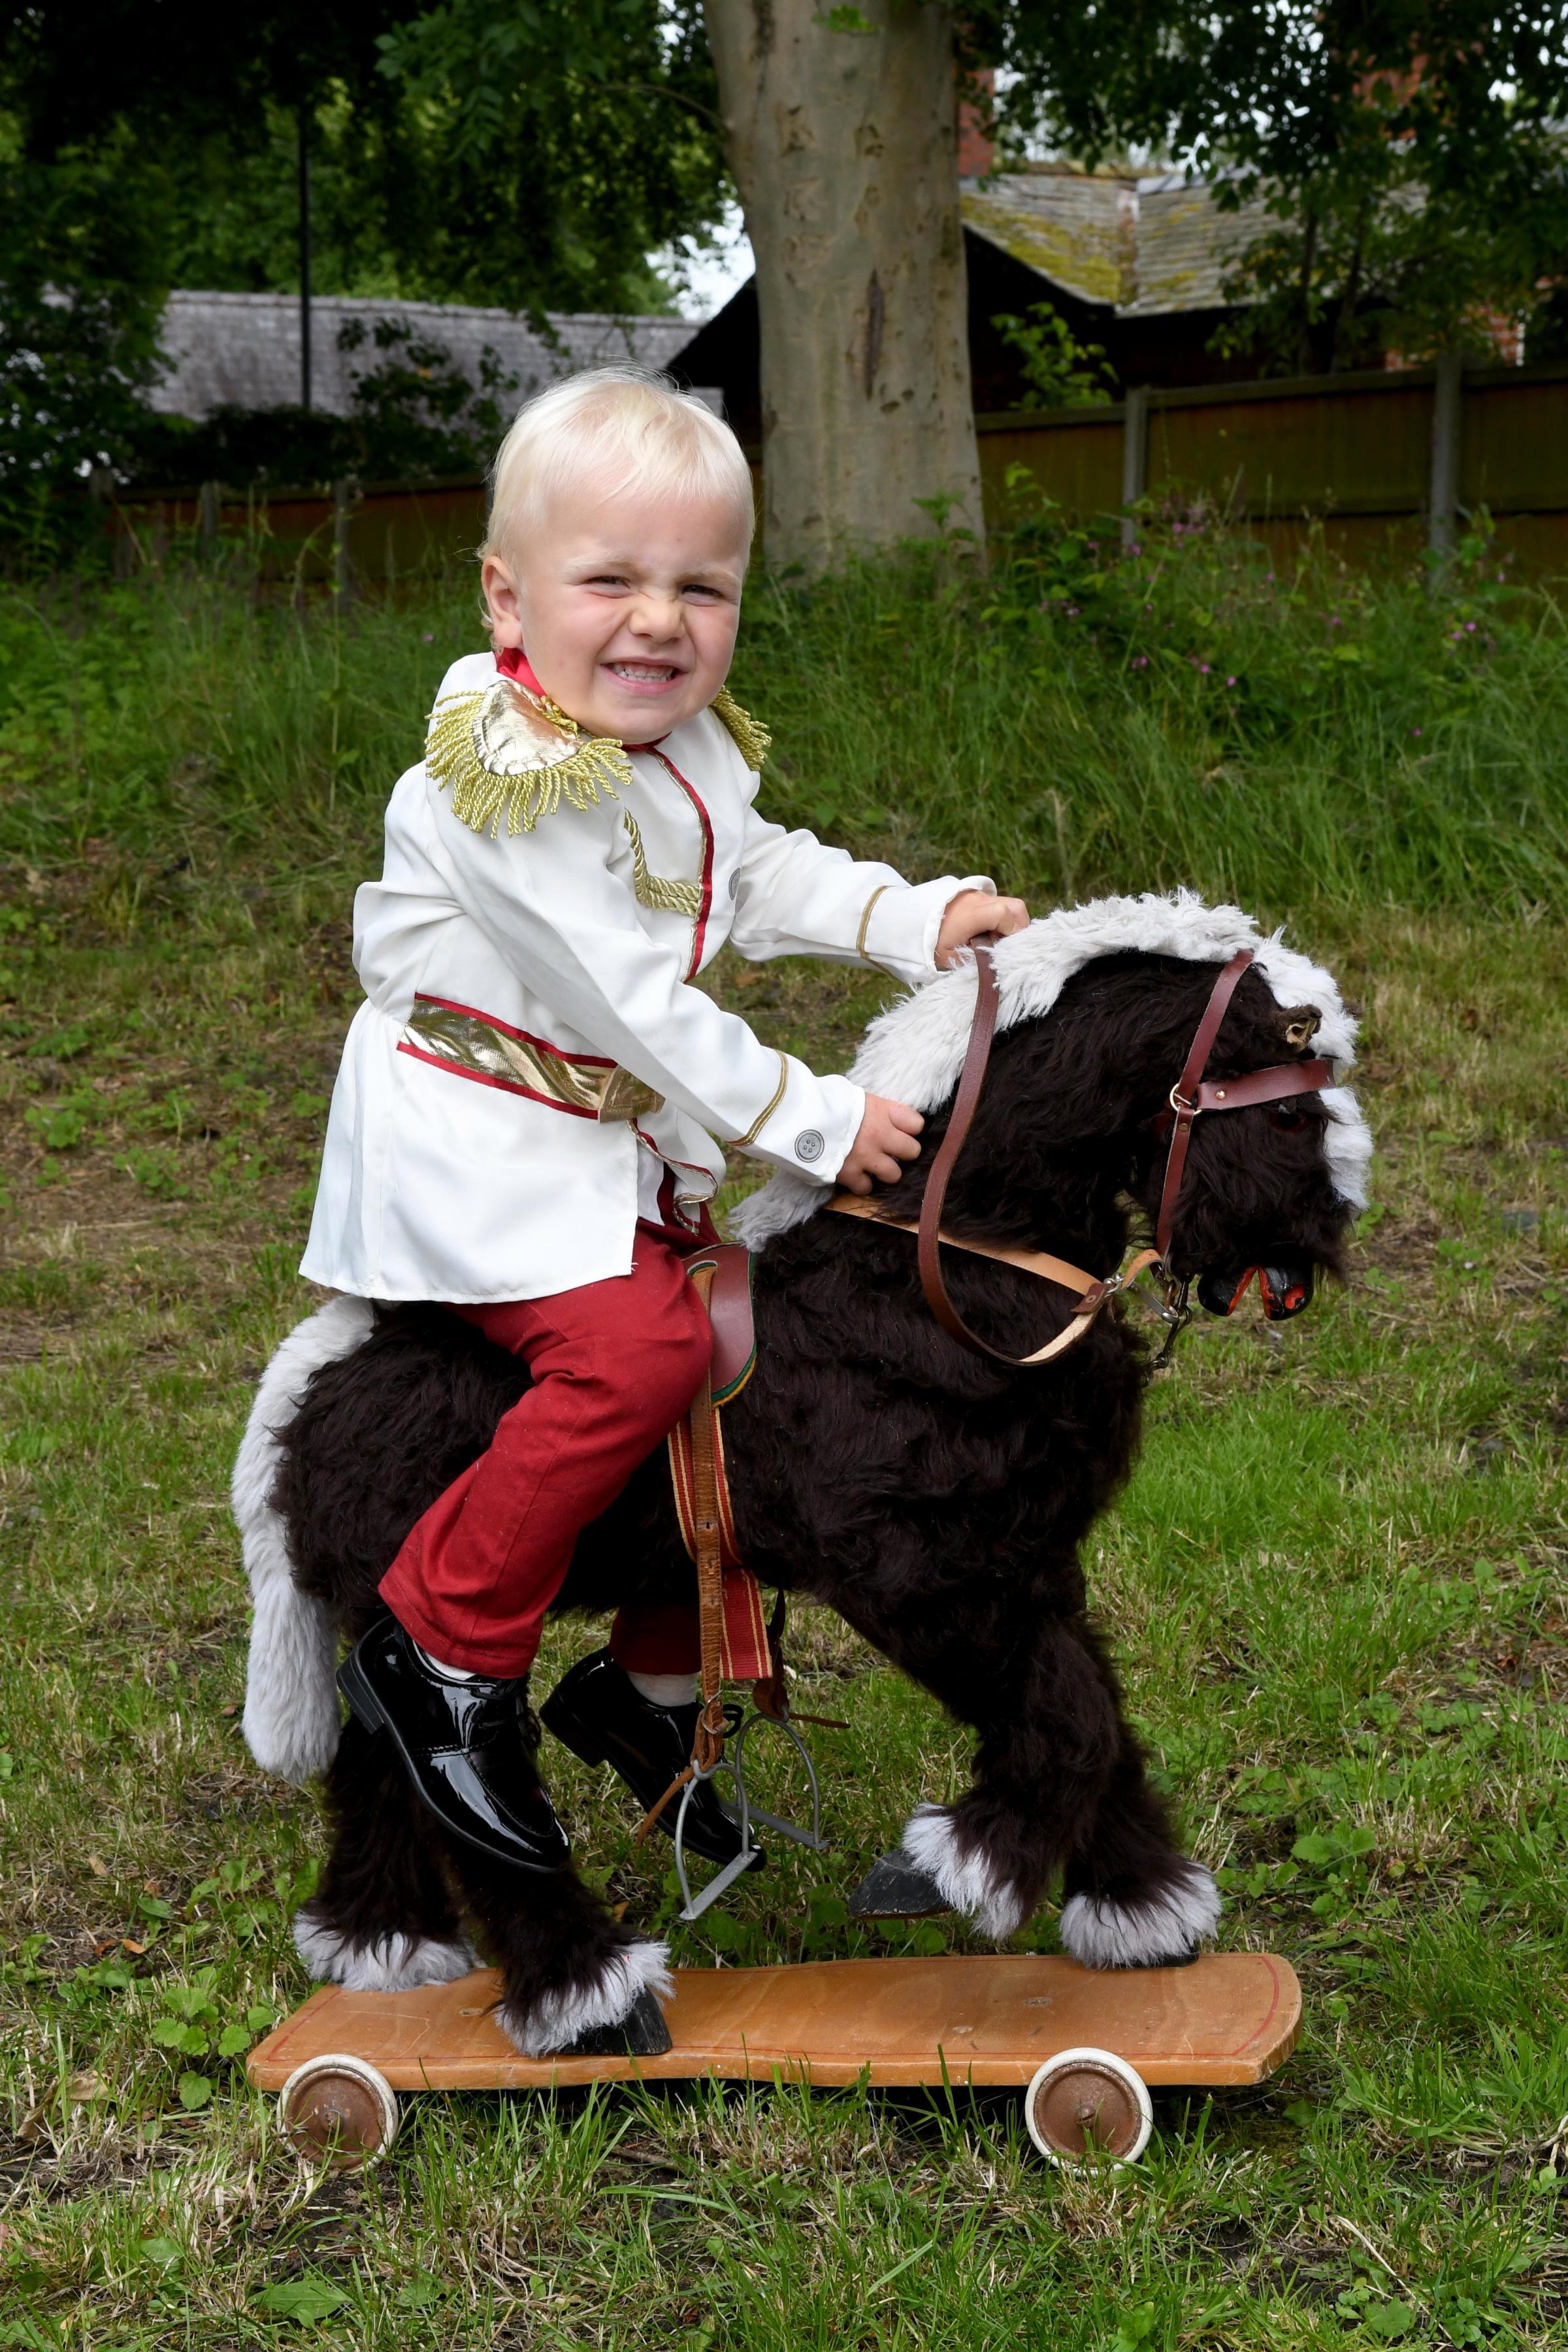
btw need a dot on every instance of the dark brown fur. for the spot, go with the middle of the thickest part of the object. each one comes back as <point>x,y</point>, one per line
<point>938,1501</point>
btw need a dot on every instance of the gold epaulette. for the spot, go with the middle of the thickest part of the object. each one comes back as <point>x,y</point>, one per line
<point>750,737</point>
<point>506,749</point>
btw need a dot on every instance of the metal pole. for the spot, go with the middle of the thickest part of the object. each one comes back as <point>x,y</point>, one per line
<point>1448,398</point>
<point>304,122</point>
<point>1134,456</point>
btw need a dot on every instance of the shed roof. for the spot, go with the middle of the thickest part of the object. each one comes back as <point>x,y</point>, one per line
<point>1140,243</point>
<point>243,349</point>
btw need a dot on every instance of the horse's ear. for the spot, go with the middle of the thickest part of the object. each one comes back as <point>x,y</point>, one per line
<point>1300,1023</point>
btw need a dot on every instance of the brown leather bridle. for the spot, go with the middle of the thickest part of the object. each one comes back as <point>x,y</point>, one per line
<point>1190,1097</point>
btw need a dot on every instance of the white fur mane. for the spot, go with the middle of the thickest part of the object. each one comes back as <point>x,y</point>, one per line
<point>914,1051</point>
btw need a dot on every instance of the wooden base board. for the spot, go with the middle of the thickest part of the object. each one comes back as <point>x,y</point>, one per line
<point>1231,2017</point>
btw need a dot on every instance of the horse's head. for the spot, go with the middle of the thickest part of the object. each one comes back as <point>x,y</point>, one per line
<point>1267,1190</point>
<point>1099,1008</point>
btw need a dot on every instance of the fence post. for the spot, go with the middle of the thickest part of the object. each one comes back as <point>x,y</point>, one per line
<point>1448,398</point>
<point>346,497</point>
<point>207,519</point>
<point>1134,456</point>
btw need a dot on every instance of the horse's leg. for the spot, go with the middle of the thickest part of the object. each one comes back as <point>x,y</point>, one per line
<point>1058,1782</point>
<point>381,1919</point>
<point>569,1969</point>
<point>1130,1899</point>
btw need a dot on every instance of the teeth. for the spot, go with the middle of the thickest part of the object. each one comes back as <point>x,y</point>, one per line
<point>644,673</point>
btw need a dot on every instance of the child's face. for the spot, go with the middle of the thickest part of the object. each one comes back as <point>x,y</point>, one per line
<point>627,607</point>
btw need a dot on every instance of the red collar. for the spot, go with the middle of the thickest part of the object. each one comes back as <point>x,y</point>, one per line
<point>512,662</point>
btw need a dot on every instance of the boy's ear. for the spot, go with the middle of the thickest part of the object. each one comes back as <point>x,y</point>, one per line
<point>501,602</point>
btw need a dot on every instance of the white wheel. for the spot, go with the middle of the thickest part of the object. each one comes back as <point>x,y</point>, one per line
<point>1088,2103</point>
<point>338,2109</point>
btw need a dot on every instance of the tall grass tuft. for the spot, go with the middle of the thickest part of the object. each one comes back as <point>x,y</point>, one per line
<point>1079,718</point>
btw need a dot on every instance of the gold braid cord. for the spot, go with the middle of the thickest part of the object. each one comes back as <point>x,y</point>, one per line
<point>656,889</point>
<point>482,793</point>
<point>750,737</point>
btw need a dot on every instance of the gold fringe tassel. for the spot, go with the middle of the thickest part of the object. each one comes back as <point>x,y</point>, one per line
<point>655,889</point>
<point>750,737</point>
<point>481,796</point>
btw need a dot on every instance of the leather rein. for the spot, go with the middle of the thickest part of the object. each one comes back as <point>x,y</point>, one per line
<point>1190,1097</point>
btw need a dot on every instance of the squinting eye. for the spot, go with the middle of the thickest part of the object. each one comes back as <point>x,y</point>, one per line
<point>1285,1116</point>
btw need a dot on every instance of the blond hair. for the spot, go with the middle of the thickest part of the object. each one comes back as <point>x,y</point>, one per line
<point>628,427</point>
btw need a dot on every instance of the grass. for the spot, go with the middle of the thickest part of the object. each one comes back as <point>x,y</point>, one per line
<point>1336,1580</point>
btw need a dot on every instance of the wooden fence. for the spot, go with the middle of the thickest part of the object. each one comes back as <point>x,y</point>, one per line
<point>1384,463</point>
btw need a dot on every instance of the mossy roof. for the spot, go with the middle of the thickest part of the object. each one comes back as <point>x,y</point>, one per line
<point>1141,244</point>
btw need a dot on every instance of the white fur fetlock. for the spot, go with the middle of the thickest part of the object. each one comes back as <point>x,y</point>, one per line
<point>1162,1932</point>
<point>390,1963</point>
<point>967,1881</point>
<point>557,2020</point>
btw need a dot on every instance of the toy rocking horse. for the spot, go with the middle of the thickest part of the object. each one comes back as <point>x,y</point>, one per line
<point>931,1428</point>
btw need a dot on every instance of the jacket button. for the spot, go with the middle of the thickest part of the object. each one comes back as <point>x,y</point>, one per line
<point>809,1144</point>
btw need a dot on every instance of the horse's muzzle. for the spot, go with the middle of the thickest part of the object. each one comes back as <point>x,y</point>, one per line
<point>1286,1287</point>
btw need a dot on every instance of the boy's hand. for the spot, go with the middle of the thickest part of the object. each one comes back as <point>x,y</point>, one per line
<point>886,1137</point>
<point>971,916</point>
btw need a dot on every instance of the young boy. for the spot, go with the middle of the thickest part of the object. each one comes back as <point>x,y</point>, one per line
<point>523,1123</point>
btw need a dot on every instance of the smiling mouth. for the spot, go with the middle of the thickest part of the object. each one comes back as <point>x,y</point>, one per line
<point>644,673</point>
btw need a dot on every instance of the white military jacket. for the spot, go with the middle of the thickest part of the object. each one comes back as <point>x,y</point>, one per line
<point>531,1068</point>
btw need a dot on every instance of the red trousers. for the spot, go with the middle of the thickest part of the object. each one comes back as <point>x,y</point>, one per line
<point>614,1365</point>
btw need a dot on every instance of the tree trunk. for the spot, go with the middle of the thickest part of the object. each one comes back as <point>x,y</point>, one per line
<point>844,147</point>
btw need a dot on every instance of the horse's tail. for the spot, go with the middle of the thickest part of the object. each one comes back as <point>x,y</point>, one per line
<point>291,1717</point>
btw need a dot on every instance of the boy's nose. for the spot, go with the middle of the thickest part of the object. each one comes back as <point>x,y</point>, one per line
<point>658,616</point>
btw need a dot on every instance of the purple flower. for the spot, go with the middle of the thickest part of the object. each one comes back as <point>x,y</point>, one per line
<point>1230,681</point>
<point>429,638</point>
<point>1203,668</point>
<point>1416,730</point>
<point>1335,622</point>
<point>1469,625</point>
<point>1140,661</point>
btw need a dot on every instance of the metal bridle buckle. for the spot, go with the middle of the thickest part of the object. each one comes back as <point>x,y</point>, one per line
<point>1175,1314</point>
<point>1178,1101</point>
<point>743,1812</point>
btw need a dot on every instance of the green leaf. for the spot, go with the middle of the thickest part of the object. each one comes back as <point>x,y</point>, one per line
<point>420,2292</point>
<point>162,2252</point>
<point>1315,1849</point>
<point>232,2040</point>
<point>194,2092</point>
<point>169,2034</point>
<point>1390,2320</point>
<point>304,2299</point>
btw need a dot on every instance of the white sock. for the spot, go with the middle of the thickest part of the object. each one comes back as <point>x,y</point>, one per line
<point>664,1690</point>
<point>438,1666</point>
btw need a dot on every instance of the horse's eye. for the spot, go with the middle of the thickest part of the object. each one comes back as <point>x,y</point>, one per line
<point>1287,1118</point>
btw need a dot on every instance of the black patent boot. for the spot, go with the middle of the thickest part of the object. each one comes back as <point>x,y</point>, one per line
<point>469,1746</point>
<point>598,1712</point>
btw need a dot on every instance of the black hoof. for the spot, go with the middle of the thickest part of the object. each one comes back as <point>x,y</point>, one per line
<point>641,2033</point>
<point>896,1889</point>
